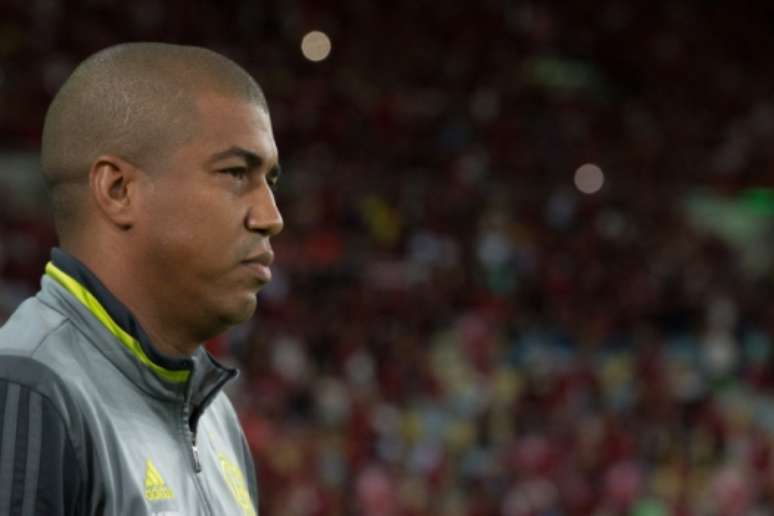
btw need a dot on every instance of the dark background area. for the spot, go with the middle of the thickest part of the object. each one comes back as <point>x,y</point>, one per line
<point>454,328</point>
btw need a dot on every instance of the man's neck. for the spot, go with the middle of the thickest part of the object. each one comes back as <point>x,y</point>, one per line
<point>158,323</point>
<point>166,342</point>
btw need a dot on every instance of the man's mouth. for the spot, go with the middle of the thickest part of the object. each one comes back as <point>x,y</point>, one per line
<point>259,264</point>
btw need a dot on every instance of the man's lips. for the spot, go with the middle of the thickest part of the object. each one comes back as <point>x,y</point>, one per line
<point>259,264</point>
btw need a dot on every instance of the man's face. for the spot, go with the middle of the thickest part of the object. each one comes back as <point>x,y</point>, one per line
<point>208,214</point>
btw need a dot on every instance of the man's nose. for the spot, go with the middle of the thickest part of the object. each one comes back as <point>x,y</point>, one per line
<point>264,216</point>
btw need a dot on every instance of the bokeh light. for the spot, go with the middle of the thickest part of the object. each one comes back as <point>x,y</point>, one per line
<point>316,46</point>
<point>589,178</point>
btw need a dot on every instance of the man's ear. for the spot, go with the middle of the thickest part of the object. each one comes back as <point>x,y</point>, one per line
<point>113,184</point>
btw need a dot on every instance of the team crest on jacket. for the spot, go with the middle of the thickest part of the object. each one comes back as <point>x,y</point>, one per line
<point>236,483</point>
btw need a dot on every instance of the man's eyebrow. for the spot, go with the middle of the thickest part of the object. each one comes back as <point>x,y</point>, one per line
<point>252,159</point>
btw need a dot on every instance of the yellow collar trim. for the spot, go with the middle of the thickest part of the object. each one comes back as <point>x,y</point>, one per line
<point>88,300</point>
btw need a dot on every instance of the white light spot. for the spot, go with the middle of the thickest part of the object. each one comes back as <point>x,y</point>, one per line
<point>589,178</point>
<point>316,46</point>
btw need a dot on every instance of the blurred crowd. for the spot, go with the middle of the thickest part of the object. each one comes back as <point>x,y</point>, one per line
<point>453,328</point>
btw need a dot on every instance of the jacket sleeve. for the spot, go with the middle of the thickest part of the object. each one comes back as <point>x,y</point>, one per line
<point>39,470</point>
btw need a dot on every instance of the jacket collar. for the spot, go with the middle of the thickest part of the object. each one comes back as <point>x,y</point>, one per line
<point>94,308</point>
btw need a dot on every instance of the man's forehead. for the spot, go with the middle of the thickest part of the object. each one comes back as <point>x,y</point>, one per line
<point>229,108</point>
<point>226,122</point>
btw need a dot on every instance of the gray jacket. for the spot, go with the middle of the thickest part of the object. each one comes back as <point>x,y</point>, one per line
<point>95,421</point>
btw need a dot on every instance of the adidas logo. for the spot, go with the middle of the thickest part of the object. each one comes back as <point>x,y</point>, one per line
<point>155,487</point>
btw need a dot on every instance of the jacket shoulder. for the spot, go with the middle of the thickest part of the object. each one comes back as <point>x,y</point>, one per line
<point>29,327</point>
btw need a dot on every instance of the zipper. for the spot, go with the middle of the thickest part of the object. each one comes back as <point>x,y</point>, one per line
<point>195,452</point>
<point>191,437</point>
<point>190,422</point>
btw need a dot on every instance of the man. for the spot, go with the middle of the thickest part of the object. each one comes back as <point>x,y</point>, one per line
<point>161,162</point>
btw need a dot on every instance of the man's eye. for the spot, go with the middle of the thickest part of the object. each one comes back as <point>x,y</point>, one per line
<point>236,172</point>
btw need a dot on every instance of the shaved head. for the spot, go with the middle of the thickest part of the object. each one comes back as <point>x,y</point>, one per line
<point>136,101</point>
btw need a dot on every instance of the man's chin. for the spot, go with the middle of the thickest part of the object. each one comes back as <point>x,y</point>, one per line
<point>242,310</point>
<point>231,311</point>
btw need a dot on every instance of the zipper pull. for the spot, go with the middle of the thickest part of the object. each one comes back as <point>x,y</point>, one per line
<point>195,450</point>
